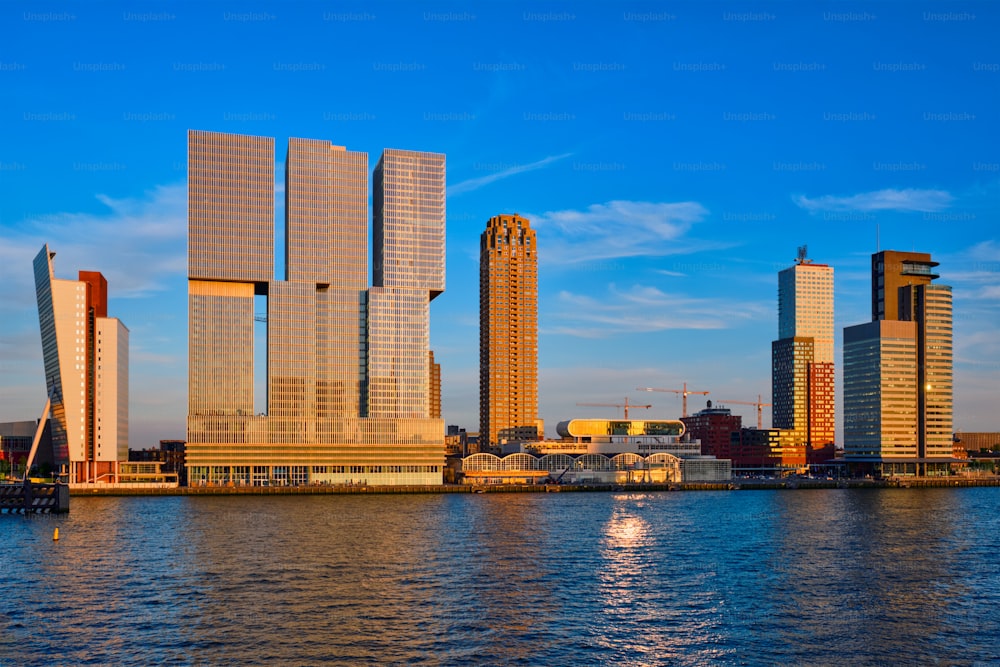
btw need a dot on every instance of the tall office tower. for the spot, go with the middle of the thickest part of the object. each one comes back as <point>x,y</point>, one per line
<point>230,259</point>
<point>319,314</point>
<point>328,334</point>
<point>508,331</point>
<point>86,372</point>
<point>898,371</point>
<point>802,358</point>
<point>408,235</point>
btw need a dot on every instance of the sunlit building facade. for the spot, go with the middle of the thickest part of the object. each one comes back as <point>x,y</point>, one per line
<point>508,332</point>
<point>802,376</point>
<point>86,373</point>
<point>347,365</point>
<point>713,427</point>
<point>408,215</point>
<point>898,381</point>
<point>602,451</point>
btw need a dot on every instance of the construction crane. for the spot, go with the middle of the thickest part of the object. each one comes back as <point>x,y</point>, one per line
<point>683,392</point>
<point>758,404</point>
<point>625,405</point>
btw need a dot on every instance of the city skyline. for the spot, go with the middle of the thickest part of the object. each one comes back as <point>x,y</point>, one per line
<point>670,168</point>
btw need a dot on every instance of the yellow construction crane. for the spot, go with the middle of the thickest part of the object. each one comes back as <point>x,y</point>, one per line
<point>758,404</point>
<point>683,392</point>
<point>625,405</point>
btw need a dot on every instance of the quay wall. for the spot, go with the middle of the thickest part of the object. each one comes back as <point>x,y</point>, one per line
<point>736,485</point>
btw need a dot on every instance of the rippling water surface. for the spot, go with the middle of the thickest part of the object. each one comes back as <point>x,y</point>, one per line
<point>742,578</point>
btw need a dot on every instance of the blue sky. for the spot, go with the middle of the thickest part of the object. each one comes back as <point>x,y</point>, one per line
<point>671,155</point>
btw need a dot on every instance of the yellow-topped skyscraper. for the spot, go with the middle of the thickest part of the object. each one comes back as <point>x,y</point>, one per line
<point>508,333</point>
<point>802,380</point>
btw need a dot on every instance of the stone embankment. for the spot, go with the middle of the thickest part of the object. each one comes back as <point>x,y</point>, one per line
<point>735,485</point>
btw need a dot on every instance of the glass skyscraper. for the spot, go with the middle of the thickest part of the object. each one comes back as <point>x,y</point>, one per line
<point>347,365</point>
<point>409,218</point>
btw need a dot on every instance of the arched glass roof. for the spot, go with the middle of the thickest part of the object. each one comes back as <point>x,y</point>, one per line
<point>593,462</point>
<point>626,461</point>
<point>519,461</point>
<point>481,461</point>
<point>555,462</point>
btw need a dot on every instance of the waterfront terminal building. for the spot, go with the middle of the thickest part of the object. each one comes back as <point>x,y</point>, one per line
<point>602,451</point>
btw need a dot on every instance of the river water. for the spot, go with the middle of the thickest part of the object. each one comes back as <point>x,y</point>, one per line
<point>861,577</point>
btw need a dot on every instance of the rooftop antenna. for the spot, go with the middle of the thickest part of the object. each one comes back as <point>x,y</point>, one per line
<point>878,242</point>
<point>802,254</point>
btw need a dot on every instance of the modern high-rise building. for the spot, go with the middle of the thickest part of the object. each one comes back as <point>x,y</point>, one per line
<point>802,380</point>
<point>898,371</point>
<point>408,215</point>
<point>347,365</point>
<point>508,332</point>
<point>86,372</point>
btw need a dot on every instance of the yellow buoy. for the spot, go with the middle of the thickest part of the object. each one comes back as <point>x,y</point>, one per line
<point>55,535</point>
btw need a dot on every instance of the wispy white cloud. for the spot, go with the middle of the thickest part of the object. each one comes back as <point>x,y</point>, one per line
<point>991,292</point>
<point>974,272</point>
<point>482,181</point>
<point>619,229</point>
<point>644,309</point>
<point>910,199</point>
<point>135,242</point>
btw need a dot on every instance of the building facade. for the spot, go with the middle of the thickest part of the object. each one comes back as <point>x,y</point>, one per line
<point>86,373</point>
<point>347,364</point>
<point>898,371</point>
<point>978,441</point>
<point>508,332</point>
<point>714,427</point>
<point>802,369</point>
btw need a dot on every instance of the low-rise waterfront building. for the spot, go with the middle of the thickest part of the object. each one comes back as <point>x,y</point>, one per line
<point>170,454</point>
<point>977,441</point>
<point>771,451</point>
<point>15,445</point>
<point>714,426</point>
<point>602,451</point>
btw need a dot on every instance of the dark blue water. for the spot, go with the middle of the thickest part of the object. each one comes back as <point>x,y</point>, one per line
<point>859,577</point>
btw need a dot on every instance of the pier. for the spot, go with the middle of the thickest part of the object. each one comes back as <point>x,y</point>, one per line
<point>34,497</point>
